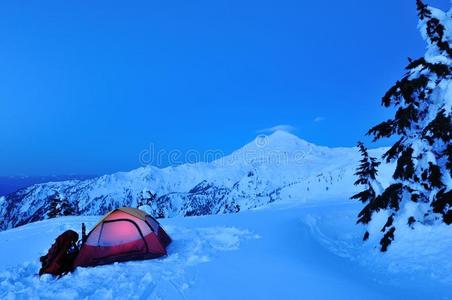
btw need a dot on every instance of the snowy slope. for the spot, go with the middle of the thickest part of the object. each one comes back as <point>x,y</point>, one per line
<point>312,251</point>
<point>280,167</point>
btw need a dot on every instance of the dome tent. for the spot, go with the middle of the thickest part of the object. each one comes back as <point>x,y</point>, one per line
<point>123,234</point>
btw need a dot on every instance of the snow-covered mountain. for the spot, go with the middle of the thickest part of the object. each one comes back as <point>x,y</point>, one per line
<point>279,167</point>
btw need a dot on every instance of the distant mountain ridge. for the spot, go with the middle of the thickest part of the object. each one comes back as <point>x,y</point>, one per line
<point>279,167</point>
<point>10,184</point>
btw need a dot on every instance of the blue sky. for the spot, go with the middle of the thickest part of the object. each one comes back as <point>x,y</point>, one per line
<point>86,86</point>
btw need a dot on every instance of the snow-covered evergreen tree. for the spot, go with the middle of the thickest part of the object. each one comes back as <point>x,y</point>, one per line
<point>147,200</point>
<point>422,122</point>
<point>60,206</point>
<point>367,177</point>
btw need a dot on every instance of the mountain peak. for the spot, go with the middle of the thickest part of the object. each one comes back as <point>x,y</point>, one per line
<point>281,139</point>
<point>281,135</point>
<point>279,143</point>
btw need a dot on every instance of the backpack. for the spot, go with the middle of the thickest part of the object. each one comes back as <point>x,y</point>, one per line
<point>60,258</point>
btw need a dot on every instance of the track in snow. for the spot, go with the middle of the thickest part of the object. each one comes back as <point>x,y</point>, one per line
<point>267,253</point>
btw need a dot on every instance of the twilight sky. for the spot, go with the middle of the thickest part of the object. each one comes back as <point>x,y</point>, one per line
<point>86,86</point>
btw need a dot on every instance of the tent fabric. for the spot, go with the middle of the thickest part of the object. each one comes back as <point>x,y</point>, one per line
<point>121,235</point>
<point>128,210</point>
<point>134,212</point>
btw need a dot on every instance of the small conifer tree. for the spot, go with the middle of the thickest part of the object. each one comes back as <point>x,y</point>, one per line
<point>367,177</point>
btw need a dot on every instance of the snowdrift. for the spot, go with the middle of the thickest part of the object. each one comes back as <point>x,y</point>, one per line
<point>310,251</point>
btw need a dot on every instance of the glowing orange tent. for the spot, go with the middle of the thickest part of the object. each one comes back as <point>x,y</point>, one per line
<point>123,234</point>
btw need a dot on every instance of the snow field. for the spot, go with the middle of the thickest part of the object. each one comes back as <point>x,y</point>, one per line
<point>305,251</point>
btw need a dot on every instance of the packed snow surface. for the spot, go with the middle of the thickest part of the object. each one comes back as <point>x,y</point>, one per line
<point>283,251</point>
